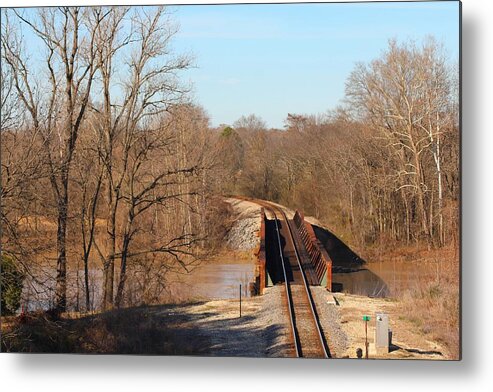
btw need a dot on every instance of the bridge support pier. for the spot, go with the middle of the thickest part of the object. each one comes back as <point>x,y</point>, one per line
<point>328,283</point>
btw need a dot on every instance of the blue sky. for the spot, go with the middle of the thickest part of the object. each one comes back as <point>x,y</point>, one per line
<point>272,60</point>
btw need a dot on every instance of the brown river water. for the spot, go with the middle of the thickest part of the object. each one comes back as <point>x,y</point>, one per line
<point>207,281</point>
<point>383,279</point>
<point>222,281</point>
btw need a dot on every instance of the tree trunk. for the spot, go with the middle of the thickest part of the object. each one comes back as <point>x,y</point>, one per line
<point>86,285</point>
<point>123,268</point>
<point>109,266</point>
<point>61,277</point>
<point>436,157</point>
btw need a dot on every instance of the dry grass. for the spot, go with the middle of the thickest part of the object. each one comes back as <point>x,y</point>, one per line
<point>196,328</point>
<point>434,308</point>
<point>408,341</point>
<point>125,331</point>
<point>433,303</point>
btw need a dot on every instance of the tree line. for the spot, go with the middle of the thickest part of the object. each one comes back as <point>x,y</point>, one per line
<point>381,168</point>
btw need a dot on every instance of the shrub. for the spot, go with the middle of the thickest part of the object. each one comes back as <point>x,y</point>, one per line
<point>228,131</point>
<point>11,281</point>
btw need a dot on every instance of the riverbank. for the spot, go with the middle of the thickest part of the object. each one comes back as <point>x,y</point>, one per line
<point>215,328</point>
<point>408,341</point>
<point>205,328</point>
<point>426,283</point>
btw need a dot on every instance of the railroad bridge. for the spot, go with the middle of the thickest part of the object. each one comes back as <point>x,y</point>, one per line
<point>296,237</point>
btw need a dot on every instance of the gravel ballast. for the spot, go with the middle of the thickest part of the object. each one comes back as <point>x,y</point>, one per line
<point>330,321</point>
<point>243,234</point>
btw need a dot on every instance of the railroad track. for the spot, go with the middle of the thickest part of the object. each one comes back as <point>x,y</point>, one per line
<point>309,340</point>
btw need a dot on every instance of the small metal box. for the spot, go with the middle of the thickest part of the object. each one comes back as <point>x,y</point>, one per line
<point>382,333</point>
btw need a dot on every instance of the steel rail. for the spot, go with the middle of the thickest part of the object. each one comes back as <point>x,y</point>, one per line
<point>320,336</point>
<point>307,289</point>
<point>297,343</point>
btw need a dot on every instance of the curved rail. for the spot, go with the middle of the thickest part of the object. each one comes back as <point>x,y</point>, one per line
<point>320,337</point>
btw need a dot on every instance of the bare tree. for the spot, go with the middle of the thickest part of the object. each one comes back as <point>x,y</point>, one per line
<point>437,115</point>
<point>259,174</point>
<point>69,39</point>
<point>9,100</point>
<point>403,95</point>
<point>128,129</point>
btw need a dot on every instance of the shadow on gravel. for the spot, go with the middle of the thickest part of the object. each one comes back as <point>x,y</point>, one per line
<point>149,330</point>
<point>233,337</point>
<point>394,347</point>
